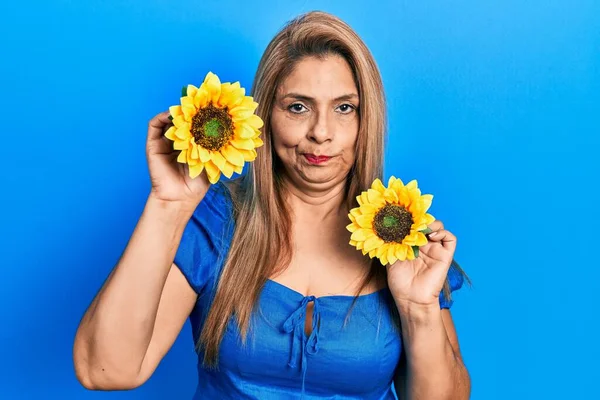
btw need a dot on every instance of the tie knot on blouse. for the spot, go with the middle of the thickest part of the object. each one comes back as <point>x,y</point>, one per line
<point>294,325</point>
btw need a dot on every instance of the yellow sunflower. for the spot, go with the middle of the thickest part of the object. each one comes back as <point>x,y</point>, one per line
<point>391,222</point>
<point>215,128</point>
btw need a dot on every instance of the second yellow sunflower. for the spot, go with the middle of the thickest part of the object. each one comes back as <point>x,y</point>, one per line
<point>215,128</point>
<point>391,222</point>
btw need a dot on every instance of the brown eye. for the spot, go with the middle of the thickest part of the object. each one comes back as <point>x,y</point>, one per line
<point>346,108</point>
<point>297,108</point>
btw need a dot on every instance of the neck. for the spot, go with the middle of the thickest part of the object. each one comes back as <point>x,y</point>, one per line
<point>313,203</point>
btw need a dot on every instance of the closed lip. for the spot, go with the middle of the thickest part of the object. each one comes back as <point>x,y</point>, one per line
<point>316,157</point>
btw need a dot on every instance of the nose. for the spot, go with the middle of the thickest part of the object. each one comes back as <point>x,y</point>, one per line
<point>321,130</point>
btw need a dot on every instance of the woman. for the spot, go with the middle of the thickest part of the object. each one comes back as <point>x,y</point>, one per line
<point>281,306</point>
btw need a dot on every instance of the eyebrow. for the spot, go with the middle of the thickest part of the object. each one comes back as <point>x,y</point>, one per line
<point>299,96</point>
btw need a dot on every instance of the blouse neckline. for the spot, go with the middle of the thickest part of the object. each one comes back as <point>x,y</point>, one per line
<point>286,290</point>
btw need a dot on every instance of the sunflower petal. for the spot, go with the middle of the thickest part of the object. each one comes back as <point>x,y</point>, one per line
<point>237,95</point>
<point>228,170</point>
<point>257,142</point>
<point>187,101</point>
<point>238,170</point>
<point>429,219</point>
<point>191,90</point>
<point>412,184</point>
<point>373,243</point>
<point>369,209</point>
<point>365,221</point>
<point>243,131</point>
<point>410,239</point>
<point>255,121</point>
<point>196,170</point>
<point>240,114</point>
<point>188,112</point>
<point>396,185</point>
<point>383,259</point>
<point>427,199</point>
<point>378,185</point>
<point>249,155</point>
<point>355,212</point>
<point>179,120</point>
<point>243,144</point>
<point>233,155</point>
<point>204,154</point>
<point>182,157</point>
<point>382,249</point>
<point>390,196</point>
<point>213,87</point>
<point>170,133</point>
<point>181,145</point>
<point>375,197</point>
<point>400,252</point>
<point>421,239</point>
<point>391,255</point>
<point>247,103</point>
<point>218,159</point>
<point>202,97</point>
<point>392,181</point>
<point>226,95</point>
<point>194,153</point>
<point>410,254</point>
<point>403,196</point>
<point>175,111</point>
<point>182,133</point>
<point>362,234</point>
<point>212,171</point>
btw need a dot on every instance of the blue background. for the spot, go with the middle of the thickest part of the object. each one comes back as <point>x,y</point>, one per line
<point>494,108</point>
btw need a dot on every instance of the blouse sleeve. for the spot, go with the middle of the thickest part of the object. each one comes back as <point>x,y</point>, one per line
<point>456,280</point>
<point>206,238</point>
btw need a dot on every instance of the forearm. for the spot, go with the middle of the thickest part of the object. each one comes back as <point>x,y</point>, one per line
<point>115,332</point>
<point>433,370</point>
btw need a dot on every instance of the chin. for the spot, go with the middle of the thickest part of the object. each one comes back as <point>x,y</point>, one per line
<point>319,175</point>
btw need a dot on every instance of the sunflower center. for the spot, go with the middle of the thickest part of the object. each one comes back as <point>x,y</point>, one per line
<point>392,223</point>
<point>212,127</point>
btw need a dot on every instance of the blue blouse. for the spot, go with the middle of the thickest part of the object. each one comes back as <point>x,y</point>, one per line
<point>279,361</point>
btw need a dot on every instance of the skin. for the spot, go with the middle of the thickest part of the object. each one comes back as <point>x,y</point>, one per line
<point>139,311</point>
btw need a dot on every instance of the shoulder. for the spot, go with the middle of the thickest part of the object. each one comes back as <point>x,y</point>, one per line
<point>217,199</point>
<point>206,238</point>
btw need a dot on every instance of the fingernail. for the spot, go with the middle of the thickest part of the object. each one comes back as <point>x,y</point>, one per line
<point>432,234</point>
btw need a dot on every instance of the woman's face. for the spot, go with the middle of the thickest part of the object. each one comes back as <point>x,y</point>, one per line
<point>315,121</point>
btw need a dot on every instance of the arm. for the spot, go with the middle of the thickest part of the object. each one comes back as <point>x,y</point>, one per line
<point>432,367</point>
<point>138,313</point>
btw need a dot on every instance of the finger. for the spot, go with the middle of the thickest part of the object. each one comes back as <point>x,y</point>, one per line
<point>446,238</point>
<point>162,146</point>
<point>156,126</point>
<point>436,225</point>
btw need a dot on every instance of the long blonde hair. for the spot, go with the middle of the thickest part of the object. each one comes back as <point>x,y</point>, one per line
<point>261,245</point>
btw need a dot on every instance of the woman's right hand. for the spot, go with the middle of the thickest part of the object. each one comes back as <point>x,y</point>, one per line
<point>169,178</point>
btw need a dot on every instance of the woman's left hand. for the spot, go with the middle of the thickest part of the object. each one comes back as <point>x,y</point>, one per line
<point>418,282</point>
